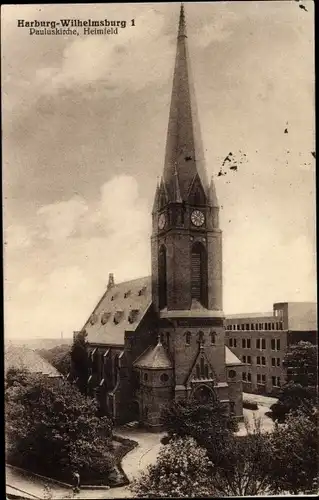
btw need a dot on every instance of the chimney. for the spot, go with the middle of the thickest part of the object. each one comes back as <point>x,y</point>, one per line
<point>111,281</point>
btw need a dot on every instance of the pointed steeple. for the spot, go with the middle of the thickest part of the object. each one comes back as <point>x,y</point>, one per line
<point>184,156</point>
<point>177,192</point>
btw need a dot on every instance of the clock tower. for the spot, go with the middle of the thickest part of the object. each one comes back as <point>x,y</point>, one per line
<point>187,247</point>
<point>186,239</point>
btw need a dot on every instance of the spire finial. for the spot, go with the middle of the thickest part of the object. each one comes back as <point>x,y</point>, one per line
<point>182,25</point>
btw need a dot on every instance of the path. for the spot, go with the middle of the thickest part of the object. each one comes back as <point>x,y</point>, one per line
<point>264,403</point>
<point>134,462</point>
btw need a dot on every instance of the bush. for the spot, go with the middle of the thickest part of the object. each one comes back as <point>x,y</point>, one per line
<point>52,429</point>
<point>250,405</point>
<point>294,446</point>
<point>291,398</point>
<point>181,470</point>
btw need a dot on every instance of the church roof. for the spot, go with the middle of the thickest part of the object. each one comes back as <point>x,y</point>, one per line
<point>230,358</point>
<point>184,157</point>
<point>154,358</point>
<point>120,309</point>
<point>23,358</point>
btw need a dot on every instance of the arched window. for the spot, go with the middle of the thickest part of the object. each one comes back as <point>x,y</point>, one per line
<point>162,277</point>
<point>212,338</point>
<point>199,274</point>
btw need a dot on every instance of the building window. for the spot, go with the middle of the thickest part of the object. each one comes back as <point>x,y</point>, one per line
<point>243,343</point>
<point>242,326</point>
<point>212,338</point>
<point>263,361</point>
<point>266,326</point>
<point>199,274</point>
<point>248,344</point>
<point>247,326</point>
<point>275,344</point>
<point>273,361</point>
<point>232,374</point>
<point>278,361</point>
<point>188,338</point>
<point>257,343</point>
<point>249,377</point>
<point>197,371</point>
<point>258,360</point>
<point>244,359</point>
<point>252,326</point>
<point>235,343</point>
<point>272,326</point>
<point>164,377</point>
<point>145,377</point>
<point>244,376</point>
<point>230,342</point>
<point>280,326</point>
<point>263,343</point>
<point>277,325</point>
<point>275,381</point>
<point>261,379</point>
<point>249,360</point>
<point>206,371</point>
<point>162,271</point>
<point>238,327</point>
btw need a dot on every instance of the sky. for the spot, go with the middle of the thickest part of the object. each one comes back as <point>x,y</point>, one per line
<point>84,127</point>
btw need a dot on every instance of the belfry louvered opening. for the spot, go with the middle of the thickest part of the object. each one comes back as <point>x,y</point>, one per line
<point>162,277</point>
<point>199,274</point>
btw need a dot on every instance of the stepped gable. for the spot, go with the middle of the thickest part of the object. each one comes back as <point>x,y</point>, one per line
<point>120,309</point>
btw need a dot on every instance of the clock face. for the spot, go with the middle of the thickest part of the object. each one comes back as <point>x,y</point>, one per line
<point>161,221</point>
<point>197,218</point>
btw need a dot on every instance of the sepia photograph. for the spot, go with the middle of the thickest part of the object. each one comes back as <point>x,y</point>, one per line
<point>159,247</point>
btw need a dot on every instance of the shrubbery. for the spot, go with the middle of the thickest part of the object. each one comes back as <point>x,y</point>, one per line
<point>52,429</point>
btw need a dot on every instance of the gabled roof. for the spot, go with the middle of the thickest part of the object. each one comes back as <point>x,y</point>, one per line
<point>230,358</point>
<point>154,358</point>
<point>24,358</point>
<point>120,309</point>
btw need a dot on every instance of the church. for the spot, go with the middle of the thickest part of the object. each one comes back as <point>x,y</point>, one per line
<point>162,337</point>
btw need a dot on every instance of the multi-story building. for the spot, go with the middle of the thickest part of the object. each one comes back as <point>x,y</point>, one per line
<point>261,340</point>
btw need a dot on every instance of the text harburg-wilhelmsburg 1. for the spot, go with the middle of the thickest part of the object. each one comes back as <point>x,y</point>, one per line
<point>68,26</point>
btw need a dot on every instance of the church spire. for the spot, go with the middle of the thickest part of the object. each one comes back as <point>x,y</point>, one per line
<point>184,157</point>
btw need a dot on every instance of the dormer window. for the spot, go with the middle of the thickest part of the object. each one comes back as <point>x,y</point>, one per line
<point>133,314</point>
<point>105,317</point>
<point>142,290</point>
<point>93,319</point>
<point>117,317</point>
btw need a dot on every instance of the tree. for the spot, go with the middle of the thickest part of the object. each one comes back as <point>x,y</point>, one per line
<point>209,424</point>
<point>301,362</point>
<point>244,469</point>
<point>300,391</point>
<point>79,361</point>
<point>59,357</point>
<point>51,428</point>
<point>181,470</point>
<point>294,444</point>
